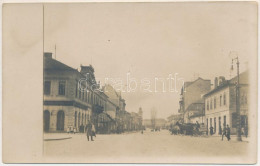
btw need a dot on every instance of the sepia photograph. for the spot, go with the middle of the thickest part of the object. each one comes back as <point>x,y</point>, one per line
<point>130,82</point>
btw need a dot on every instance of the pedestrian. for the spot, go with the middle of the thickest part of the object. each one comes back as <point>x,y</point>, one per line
<point>228,132</point>
<point>224,132</point>
<point>197,126</point>
<point>211,130</point>
<point>89,131</point>
<point>93,129</point>
<point>68,130</point>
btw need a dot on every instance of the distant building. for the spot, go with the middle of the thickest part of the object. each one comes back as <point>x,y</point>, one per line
<point>196,113</point>
<point>220,104</point>
<point>192,92</point>
<point>161,123</point>
<point>137,121</point>
<point>173,119</point>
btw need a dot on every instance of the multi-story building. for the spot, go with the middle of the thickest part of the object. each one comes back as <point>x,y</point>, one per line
<point>136,121</point>
<point>192,92</point>
<point>116,107</point>
<point>71,98</point>
<point>220,104</point>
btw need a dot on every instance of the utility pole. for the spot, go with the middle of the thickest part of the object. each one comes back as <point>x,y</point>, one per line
<point>239,138</point>
<point>55,51</point>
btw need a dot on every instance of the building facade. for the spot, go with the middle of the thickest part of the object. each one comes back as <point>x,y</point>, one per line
<point>192,92</point>
<point>220,104</point>
<point>70,100</point>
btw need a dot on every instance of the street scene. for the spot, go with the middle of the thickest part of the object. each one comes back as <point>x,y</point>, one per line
<point>126,90</point>
<point>148,144</point>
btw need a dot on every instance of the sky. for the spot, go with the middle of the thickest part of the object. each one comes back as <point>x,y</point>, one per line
<point>152,40</point>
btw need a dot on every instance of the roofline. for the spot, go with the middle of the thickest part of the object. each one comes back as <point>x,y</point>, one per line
<point>199,78</point>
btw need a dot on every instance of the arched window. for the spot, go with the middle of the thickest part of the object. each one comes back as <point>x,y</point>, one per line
<point>60,120</point>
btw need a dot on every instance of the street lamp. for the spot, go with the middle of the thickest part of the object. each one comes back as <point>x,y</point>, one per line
<point>239,138</point>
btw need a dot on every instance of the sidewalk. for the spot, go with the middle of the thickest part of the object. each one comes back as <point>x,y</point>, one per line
<point>56,136</point>
<point>233,137</point>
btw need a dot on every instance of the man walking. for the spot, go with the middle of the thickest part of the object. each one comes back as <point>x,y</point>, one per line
<point>89,131</point>
<point>224,132</point>
<point>228,133</point>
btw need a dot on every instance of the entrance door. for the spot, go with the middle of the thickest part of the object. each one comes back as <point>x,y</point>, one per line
<point>219,126</point>
<point>215,125</point>
<point>46,120</point>
<point>60,120</point>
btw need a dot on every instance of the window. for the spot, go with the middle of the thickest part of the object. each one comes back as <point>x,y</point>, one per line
<point>215,102</point>
<point>86,94</point>
<point>62,87</point>
<point>79,94</point>
<point>207,105</point>
<point>211,104</point>
<point>83,96</point>
<point>76,90</point>
<point>224,99</point>
<point>47,87</point>
<point>220,100</point>
<point>225,121</point>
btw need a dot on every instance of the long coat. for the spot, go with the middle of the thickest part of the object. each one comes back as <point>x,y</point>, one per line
<point>89,129</point>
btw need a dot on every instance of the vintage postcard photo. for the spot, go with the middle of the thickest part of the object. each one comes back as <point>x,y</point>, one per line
<point>130,82</point>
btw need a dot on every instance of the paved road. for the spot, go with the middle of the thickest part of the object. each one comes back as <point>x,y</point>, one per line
<point>154,146</point>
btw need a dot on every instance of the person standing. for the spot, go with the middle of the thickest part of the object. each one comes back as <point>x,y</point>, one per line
<point>224,132</point>
<point>211,130</point>
<point>228,132</point>
<point>68,129</point>
<point>89,131</point>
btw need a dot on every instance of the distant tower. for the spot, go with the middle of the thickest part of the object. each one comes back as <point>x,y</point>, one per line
<point>140,113</point>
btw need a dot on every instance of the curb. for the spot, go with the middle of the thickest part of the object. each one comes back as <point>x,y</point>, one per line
<point>57,139</point>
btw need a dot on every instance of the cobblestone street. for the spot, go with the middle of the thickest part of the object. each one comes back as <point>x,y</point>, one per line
<point>147,145</point>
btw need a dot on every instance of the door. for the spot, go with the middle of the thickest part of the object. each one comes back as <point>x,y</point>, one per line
<point>215,125</point>
<point>60,121</point>
<point>46,120</point>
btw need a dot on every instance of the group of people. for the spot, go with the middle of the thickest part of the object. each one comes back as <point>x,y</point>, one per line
<point>71,129</point>
<point>89,129</point>
<point>225,131</point>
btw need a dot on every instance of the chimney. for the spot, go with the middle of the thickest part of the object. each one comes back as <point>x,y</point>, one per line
<point>216,82</point>
<point>48,55</point>
<point>221,80</point>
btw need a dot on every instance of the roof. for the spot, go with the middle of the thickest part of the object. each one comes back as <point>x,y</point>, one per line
<point>243,79</point>
<point>52,64</point>
<point>175,116</point>
<point>196,106</point>
<point>186,84</point>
